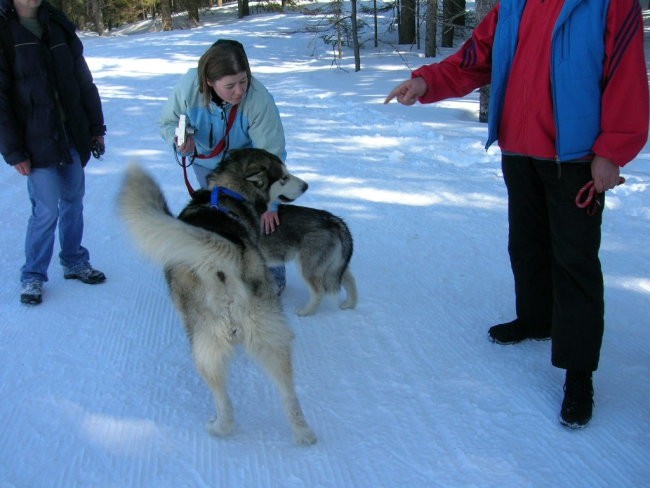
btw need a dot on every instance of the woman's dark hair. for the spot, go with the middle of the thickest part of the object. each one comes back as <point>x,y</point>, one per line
<point>224,58</point>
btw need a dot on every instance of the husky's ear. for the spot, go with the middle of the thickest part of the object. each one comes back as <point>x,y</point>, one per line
<point>257,177</point>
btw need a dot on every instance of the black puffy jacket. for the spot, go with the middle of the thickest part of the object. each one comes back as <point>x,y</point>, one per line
<point>31,126</point>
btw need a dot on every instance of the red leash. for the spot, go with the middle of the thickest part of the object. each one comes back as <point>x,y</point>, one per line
<point>585,197</point>
<point>222,143</point>
<point>215,152</point>
<point>187,180</point>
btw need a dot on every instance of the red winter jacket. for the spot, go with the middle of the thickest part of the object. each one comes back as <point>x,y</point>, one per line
<point>527,126</point>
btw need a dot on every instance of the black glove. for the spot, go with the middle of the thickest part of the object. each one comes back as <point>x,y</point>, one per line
<point>98,148</point>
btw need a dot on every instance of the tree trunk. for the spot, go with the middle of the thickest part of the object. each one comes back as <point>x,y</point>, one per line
<point>166,15</point>
<point>431,34</point>
<point>459,19</point>
<point>97,17</point>
<point>193,11</point>
<point>375,21</point>
<point>453,13</point>
<point>243,9</point>
<point>355,36</point>
<point>484,103</point>
<point>482,8</point>
<point>407,22</point>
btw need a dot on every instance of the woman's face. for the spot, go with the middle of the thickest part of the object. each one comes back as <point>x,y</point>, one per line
<point>231,88</point>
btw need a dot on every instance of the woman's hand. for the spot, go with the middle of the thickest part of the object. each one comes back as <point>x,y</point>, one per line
<point>270,220</point>
<point>188,147</point>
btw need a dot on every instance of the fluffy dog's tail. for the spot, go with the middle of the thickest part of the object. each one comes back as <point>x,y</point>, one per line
<point>159,234</point>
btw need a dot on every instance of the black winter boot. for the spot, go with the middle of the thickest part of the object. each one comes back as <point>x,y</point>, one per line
<point>578,400</point>
<point>515,331</point>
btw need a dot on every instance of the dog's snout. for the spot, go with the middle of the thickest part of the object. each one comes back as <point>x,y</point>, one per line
<point>301,185</point>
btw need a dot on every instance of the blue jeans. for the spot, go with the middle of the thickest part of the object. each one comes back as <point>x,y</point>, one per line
<point>56,194</point>
<point>279,276</point>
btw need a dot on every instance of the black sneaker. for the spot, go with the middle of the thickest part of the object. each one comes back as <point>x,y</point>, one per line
<point>32,292</point>
<point>514,332</point>
<point>578,402</point>
<point>85,273</point>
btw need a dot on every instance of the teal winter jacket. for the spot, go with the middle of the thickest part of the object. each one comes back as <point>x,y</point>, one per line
<point>257,123</point>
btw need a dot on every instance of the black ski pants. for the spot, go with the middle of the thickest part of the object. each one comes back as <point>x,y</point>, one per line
<point>553,247</point>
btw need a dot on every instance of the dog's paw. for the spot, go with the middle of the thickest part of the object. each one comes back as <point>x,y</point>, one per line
<point>220,427</point>
<point>312,305</point>
<point>304,437</point>
<point>305,311</point>
<point>347,305</point>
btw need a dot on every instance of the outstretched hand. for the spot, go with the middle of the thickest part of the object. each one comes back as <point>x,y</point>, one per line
<point>408,92</point>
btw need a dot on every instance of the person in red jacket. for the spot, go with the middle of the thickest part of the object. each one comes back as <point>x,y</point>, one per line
<point>569,107</point>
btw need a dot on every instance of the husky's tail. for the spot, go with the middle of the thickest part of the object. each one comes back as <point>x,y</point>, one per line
<point>161,236</point>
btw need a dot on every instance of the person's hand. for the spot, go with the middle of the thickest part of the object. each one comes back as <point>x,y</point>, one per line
<point>98,147</point>
<point>605,173</point>
<point>270,220</point>
<point>408,92</point>
<point>188,147</point>
<point>24,167</point>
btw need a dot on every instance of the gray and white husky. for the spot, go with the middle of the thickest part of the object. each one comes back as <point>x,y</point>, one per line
<point>217,274</point>
<point>321,244</point>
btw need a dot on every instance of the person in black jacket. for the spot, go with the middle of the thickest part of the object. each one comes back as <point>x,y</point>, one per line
<point>51,121</point>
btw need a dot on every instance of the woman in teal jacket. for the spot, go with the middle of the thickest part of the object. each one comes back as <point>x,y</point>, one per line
<point>208,94</point>
<point>227,108</point>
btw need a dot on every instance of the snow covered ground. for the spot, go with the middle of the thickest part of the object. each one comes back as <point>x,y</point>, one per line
<point>97,387</point>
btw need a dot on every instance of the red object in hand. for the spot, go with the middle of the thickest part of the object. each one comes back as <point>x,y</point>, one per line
<point>585,197</point>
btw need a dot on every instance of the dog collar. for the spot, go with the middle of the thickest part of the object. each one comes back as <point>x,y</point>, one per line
<point>217,192</point>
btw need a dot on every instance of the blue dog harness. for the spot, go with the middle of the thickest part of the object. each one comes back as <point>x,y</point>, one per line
<point>217,192</point>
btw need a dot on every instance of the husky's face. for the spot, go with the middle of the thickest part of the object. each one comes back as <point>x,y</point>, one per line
<point>269,173</point>
<point>265,171</point>
<point>286,188</point>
